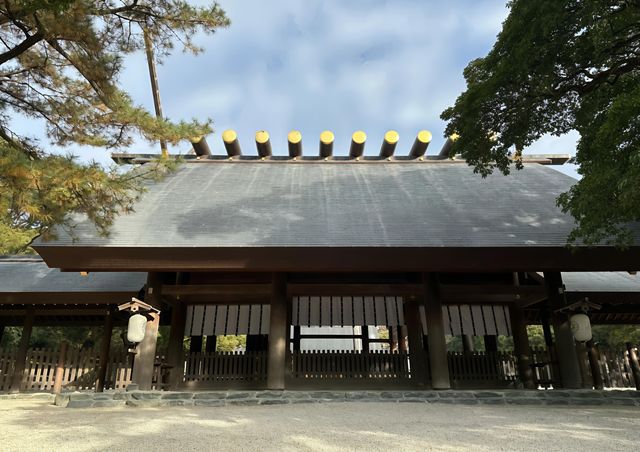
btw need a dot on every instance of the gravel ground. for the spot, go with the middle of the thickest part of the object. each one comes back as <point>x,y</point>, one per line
<point>35,425</point>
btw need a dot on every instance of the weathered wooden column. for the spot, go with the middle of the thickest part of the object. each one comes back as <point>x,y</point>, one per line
<point>59,375</point>
<point>210,346</point>
<point>635,364</point>
<point>175,348</point>
<point>565,345</point>
<point>195,344</point>
<point>438,360</point>
<point>278,332</point>
<point>416,353</point>
<point>594,364</point>
<point>583,360</point>
<point>467,343</point>
<point>105,346</point>
<point>490,343</point>
<point>1,333</point>
<point>521,341</point>
<point>21,356</point>
<point>143,367</point>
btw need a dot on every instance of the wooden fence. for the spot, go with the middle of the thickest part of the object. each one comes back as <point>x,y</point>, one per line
<point>351,365</point>
<point>80,369</point>
<point>615,368</point>
<point>225,368</point>
<point>482,369</point>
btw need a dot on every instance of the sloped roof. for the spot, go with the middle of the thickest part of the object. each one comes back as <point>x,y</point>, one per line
<point>601,282</point>
<point>30,274</point>
<point>399,204</point>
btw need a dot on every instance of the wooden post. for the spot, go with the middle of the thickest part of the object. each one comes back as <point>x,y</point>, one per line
<point>364,336</point>
<point>143,368</point>
<point>416,353</point>
<point>21,356</point>
<point>1,333</point>
<point>594,363</point>
<point>565,345</point>
<point>635,365</point>
<point>57,382</point>
<point>104,351</point>
<point>467,343</point>
<point>175,348</point>
<point>583,359</point>
<point>210,347</point>
<point>278,332</point>
<point>521,346</point>
<point>195,344</point>
<point>490,343</point>
<point>438,360</point>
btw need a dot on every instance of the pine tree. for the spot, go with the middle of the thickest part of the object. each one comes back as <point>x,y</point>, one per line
<point>59,62</point>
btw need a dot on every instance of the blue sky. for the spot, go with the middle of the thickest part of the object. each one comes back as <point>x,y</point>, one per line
<point>313,65</point>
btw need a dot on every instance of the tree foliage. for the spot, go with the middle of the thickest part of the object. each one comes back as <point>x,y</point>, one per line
<point>60,61</point>
<point>557,66</point>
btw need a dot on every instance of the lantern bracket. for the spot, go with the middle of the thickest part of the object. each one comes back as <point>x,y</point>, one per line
<point>582,305</point>
<point>136,305</point>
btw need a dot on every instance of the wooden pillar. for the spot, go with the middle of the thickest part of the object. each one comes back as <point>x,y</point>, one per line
<point>594,364</point>
<point>467,343</point>
<point>490,343</point>
<point>635,364</point>
<point>364,336</point>
<point>565,345</point>
<point>175,348</point>
<point>278,333</point>
<point>105,346</point>
<point>195,344</point>
<point>210,347</point>
<point>583,360</point>
<point>21,356</point>
<point>59,376</point>
<point>521,347</point>
<point>438,360</point>
<point>1,333</point>
<point>545,316</point>
<point>143,368</point>
<point>416,352</point>
<point>296,338</point>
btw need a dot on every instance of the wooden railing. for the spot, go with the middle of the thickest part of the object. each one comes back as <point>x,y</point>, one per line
<point>79,370</point>
<point>226,366</point>
<point>482,368</point>
<point>615,368</point>
<point>350,365</point>
<point>544,364</point>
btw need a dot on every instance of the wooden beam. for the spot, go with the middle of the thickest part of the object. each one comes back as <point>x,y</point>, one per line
<point>65,298</point>
<point>75,312</point>
<point>226,290</point>
<point>319,289</point>
<point>335,259</point>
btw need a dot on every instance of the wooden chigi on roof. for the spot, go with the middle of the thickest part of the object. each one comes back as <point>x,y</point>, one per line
<point>273,244</point>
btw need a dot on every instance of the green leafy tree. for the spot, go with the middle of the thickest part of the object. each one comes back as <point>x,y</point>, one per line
<point>557,66</point>
<point>59,63</point>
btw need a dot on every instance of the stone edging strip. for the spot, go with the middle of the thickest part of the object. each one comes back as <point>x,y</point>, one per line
<point>251,398</point>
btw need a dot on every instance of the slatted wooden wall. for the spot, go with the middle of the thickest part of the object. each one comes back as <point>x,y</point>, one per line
<point>474,320</point>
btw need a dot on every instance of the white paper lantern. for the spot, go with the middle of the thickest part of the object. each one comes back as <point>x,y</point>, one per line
<point>136,328</point>
<point>581,327</point>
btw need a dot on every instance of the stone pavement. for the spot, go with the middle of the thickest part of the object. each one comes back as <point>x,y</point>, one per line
<point>250,398</point>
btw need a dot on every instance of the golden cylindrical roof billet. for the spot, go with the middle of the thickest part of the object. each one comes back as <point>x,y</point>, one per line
<point>294,140</point>
<point>357,144</point>
<point>420,145</point>
<point>231,143</point>
<point>389,144</point>
<point>446,147</point>
<point>200,146</point>
<point>326,144</point>
<point>263,144</point>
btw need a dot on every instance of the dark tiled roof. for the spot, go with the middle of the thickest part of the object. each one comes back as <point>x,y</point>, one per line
<point>601,282</point>
<point>395,204</point>
<point>29,274</point>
